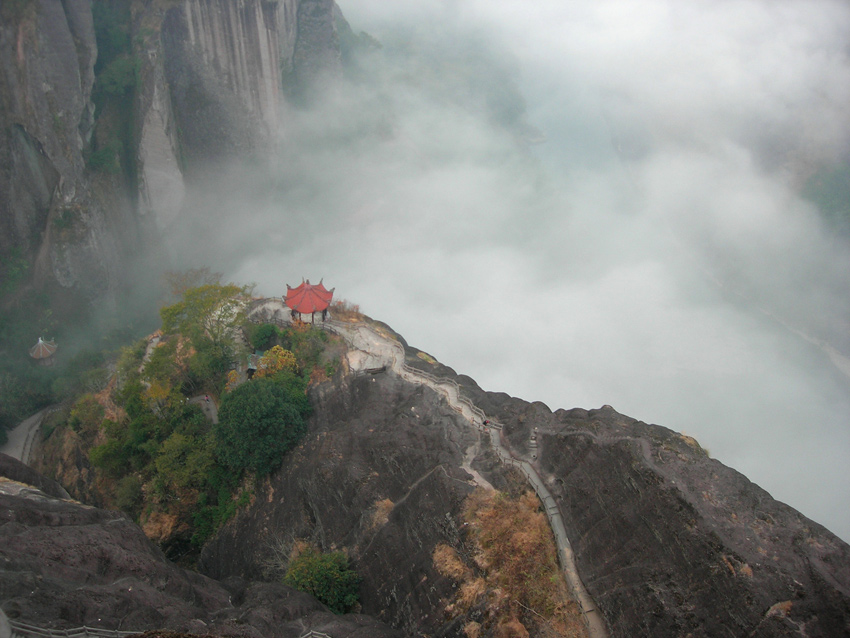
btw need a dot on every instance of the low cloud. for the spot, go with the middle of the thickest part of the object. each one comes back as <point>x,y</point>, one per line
<point>653,254</point>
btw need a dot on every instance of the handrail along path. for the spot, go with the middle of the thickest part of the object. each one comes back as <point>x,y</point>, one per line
<point>364,337</point>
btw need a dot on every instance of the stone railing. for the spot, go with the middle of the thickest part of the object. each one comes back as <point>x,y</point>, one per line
<point>25,630</point>
<point>592,617</point>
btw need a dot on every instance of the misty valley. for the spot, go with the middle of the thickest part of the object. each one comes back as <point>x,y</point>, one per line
<point>594,217</point>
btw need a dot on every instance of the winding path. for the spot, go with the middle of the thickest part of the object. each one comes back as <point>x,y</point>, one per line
<point>365,338</point>
<point>19,444</point>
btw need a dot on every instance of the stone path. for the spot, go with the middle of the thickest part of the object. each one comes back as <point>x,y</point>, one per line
<point>21,438</point>
<point>365,338</point>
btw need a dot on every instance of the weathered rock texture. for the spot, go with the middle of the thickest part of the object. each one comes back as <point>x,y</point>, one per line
<point>214,86</point>
<point>379,475</point>
<point>47,55</point>
<point>210,90</point>
<point>65,564</point>
<point>670,542</point>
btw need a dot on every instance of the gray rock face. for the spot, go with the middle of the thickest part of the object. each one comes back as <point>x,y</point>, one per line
<point>65,565</point>
<point>316,53</point>
<point>210,92</point>
<point>46,74</point>
<point>378,474</point>
<point>222,68</point>
<point>670,542</point>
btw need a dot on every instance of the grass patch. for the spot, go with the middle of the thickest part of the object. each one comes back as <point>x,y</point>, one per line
<point>427,358</point>
<point>512,573</point>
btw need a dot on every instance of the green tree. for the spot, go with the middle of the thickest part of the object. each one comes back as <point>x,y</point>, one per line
<point>295,390</point>
<point>327,576</point>
<point>184,461</point>
<point>275,360</point>
<point>265,336</point>
<point>209,317</point>
<point>213,311</point>
<point>257,425</point>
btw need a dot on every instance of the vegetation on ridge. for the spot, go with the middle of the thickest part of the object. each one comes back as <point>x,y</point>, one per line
<point>157,453</point>
<point>509,570</point>
<point>325,575</point>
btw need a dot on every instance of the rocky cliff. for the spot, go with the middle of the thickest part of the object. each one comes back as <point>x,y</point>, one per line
<point>379,475</point>
<point>200,82</point>
<point>48,215</point>
<point>669,542</point>
<point>65,565</point>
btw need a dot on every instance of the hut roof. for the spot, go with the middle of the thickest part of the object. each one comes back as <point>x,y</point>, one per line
<point>43,349</point>
<point>308,298</point>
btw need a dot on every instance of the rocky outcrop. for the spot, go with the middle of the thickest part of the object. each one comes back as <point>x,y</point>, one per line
<point>670,542</point>
<point>47,213</point>
<point>14,470</point>
<point>215,83</point>
<point>66,565</point>
<point>667,540</point>
<point>378,475</point>
<point>210,90</point>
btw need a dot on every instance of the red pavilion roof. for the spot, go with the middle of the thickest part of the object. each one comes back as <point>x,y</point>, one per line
<point>308,298</point>
<point>43,349</point>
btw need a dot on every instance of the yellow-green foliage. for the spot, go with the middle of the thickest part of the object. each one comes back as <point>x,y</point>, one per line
<point>274,361</point>
<point>519,548</point>
<point>86,415</point>
<point>515,567</point>
<point>327,576</point>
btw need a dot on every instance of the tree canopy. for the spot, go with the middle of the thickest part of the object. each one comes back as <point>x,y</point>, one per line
<point>327,576</point>
<point>257,425</point>
<point>213,311</point>
<point>274,361</point>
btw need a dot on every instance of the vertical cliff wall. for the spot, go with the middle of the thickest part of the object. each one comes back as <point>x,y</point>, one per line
<point>214,86</point>
<point>48,217</point>
<point>210,86</point>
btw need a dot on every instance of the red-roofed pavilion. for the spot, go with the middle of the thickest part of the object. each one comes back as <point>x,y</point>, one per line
<point>309,299</point>
<point>43,351</point>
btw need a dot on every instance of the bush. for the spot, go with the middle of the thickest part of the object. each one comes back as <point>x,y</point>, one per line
<point>184,461</point>
<point>257,425</point>
<point>264,337</point>
<point>128,495</point>
<point>112,457</point>
<point>86,416</point>
<point>275,360</point>
<point>327,576</point>
<point>119,76</point>
<point>295,390</point>
<point>307,345</point>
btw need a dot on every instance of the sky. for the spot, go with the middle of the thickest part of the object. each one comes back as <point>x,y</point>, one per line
<point>586,203</point>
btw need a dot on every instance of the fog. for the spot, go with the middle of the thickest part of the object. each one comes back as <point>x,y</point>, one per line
<point>653,253</point>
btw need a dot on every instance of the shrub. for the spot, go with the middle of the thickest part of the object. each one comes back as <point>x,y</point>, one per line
<point>327,576</point>
<point>257,425</point>
<point>112,457</point>
<point>119,76</point>
<point>184,461</point>
<point>128,494</point>
<point>275,360</point>
<point>307,345</point>
<point>264,337</point>
<point>86,415</point>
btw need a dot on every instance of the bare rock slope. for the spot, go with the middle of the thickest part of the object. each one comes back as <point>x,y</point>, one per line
<point>669,542</point>
<point>65,564</point>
